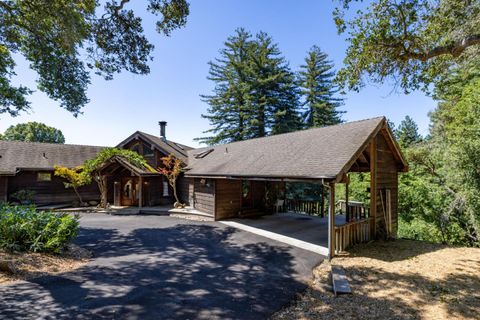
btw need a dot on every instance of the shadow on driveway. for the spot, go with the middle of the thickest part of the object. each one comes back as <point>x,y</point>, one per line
<point>181,271</point>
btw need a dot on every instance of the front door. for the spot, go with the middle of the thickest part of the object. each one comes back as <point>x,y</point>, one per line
<point>129,191</point>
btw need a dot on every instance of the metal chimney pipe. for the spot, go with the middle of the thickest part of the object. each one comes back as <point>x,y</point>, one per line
<point>163,125</point>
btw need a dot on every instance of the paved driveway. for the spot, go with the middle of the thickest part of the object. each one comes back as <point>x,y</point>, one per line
<point>150,267</point>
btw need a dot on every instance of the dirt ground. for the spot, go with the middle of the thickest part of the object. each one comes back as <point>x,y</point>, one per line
<point>31,265</point>
<point>400,279</point>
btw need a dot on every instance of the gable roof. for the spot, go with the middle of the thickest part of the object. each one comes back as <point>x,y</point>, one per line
<point>320,153</point>
<point>137,170</point>
<point>166,146</point>
<point>19,155</point>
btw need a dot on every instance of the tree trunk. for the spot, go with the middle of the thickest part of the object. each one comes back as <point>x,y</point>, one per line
<point>102,186</point>
<point>174,187</point>
<point>78,195</point>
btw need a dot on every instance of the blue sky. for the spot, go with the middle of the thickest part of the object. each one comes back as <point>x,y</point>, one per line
<point>178,74</point>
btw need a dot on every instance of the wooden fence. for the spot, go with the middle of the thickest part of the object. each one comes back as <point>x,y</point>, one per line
<point>352,233</point>
<point>354,211</point>
<point>304,206</point>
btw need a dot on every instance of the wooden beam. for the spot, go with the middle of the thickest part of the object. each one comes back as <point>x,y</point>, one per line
<point>331,222</point>
<point>346,199</point>
<point>140,192</point>
<point>373,187</point>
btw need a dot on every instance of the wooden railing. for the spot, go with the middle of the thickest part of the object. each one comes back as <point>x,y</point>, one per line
<point>352,233</point>
<point>354,211</point>
<point>304,206</point>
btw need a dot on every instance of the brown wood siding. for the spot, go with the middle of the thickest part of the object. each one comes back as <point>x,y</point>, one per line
<point>387,178</point>
<point>3,189</point>
<point>183,189</point>
<point>204,196</point>
<point>228,198</point>
<point>49,192</point>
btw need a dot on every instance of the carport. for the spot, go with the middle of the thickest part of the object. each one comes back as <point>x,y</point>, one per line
<point>247,179</point>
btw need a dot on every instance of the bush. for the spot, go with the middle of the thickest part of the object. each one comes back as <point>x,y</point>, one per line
<point>22,228</point>
<point>24,196</point>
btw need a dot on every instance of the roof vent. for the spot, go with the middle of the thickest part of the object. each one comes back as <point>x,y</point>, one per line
<point>45,155</point>
<point>202,154</point>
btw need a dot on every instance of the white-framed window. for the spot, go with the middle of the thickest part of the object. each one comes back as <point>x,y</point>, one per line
<point>44,176</point>
<point>165,189</point>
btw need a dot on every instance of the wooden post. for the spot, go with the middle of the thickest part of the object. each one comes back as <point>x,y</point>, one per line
<point>322,208</point>
<point>331,222</point>
<point>140,191</point>
<point>346,200</point>
<point>373,187</point>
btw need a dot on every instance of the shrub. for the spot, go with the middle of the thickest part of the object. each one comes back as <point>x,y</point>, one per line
<point>22,228</point>
<point>24,196</point>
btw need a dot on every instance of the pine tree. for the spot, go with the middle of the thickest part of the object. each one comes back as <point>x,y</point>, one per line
<point>255,91</point>
<point>230,103</point>
<point>407,132</point>
<point>318,90</point>
<point>276,96</point>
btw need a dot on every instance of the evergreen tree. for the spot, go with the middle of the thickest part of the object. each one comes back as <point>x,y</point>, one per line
<point>407,132</point>
<point>318,90</point>
<point>230,102</point>
<point>275,94</point>
<point>255,92</point>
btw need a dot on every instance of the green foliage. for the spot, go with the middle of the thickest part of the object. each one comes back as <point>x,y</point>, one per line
<point>25,196</point>
<point>412,42</point>
<point>318,89</point>
<point>357,188</point>
<point>75,178</point>
<point>92,168</point>
<point>24,229</point>
<point>255,92</point>
<point>33,132</point>
<point>407,132</point>
<point>64,40</point>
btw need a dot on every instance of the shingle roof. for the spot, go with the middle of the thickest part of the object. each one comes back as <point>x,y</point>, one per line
<point>177,149</point>
<point>17,155</point>
<point>309,154</point>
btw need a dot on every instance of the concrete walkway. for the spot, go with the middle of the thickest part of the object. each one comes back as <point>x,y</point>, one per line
<point>298,230</point>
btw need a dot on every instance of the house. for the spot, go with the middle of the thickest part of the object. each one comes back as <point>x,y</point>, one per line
<point>235,180</point>
<point>248,177</point>
<point>30,166</point>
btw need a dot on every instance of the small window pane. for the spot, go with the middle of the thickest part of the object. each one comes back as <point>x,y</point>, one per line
<point>147,152</point>
<point>44,176</point>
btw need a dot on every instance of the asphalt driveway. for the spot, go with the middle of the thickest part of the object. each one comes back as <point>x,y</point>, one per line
<point>151,267</point>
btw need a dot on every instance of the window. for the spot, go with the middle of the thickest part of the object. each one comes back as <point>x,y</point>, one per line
<point>165,189</point>
<point>147,151</point>
<point>136,148</point>
<point>44,176</point>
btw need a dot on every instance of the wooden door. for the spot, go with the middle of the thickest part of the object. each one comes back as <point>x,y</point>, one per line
<point>129,191</point>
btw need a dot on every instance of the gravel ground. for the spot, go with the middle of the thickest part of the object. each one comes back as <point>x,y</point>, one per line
<point>401,279</point>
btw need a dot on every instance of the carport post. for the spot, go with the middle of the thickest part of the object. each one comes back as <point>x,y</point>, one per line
<point>331,222</point>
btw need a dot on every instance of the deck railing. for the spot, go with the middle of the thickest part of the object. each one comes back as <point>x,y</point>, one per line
<point>304,206</point>
<point>354,211</point>
<point>352,233</point>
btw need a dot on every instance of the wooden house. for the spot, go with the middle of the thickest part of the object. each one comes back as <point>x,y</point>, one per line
<point>30,166</point>
<point>246,178</point>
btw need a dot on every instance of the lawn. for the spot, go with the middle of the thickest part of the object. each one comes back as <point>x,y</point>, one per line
<point>401,279</point>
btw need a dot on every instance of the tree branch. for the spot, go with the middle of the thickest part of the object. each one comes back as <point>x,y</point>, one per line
<point>455,49</point>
